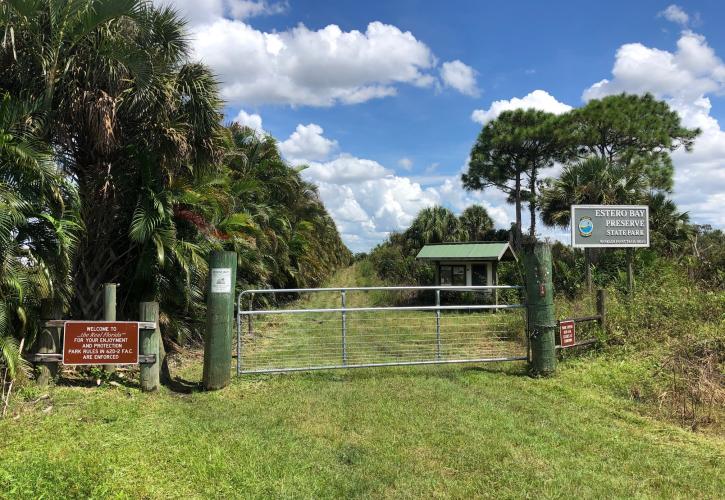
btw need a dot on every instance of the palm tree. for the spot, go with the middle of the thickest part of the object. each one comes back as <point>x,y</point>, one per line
<point>38,228</point>
<point>128,117</point>
<point>476,222</point>
<point>591,181</point>
<point>136,128</point>
<point>670,229</point>
<point>434,225</point>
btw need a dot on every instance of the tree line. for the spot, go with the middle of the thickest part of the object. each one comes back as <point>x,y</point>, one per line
<point>116,167</point>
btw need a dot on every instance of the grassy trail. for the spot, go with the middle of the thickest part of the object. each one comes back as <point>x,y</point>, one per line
<point>444,431</point>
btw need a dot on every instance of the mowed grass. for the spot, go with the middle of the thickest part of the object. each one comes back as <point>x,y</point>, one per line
<point>436,431</point>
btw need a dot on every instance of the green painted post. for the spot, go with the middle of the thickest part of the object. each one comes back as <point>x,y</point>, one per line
<point>48,341</point>
<point>149,343</point>
<point>540,302</point>
<point>219,319</point>
<point>109,312</point>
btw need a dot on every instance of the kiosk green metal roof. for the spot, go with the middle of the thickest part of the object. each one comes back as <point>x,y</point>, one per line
<point>467,251</point>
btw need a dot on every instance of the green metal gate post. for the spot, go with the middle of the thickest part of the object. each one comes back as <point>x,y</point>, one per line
<point>540,308</point>
<point>149,343</point>
<point>219,319</point>
<point>109,312</point>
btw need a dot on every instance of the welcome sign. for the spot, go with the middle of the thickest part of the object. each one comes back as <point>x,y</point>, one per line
<point>614,226</point>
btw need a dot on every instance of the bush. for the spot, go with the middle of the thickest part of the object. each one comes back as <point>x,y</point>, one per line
<point>393,266</point>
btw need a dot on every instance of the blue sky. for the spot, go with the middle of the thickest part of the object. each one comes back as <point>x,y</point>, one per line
<point>381,98</point>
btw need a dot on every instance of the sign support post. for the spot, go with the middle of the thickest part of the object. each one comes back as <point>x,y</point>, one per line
<point>219,320</point>
<point>109,312</point>
<point>149,343</point>
<point>540,308</point>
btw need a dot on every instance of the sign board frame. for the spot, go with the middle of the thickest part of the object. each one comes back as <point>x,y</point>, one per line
<point>574,226</point>
<point>134,335</point>
<point>567,330</point>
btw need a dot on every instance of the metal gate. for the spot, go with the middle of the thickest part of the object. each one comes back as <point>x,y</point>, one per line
<point>328,328</point>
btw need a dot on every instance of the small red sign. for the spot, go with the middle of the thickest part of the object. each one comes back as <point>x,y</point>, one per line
<point>567,333</point>
<point>100,343</point>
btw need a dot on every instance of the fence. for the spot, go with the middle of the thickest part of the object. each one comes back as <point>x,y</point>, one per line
<point>331,328</point>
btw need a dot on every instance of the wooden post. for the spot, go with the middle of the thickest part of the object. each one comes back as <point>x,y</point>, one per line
<point>540,308</point>
<point>109,312</point>
<point>588,269</point>
<point>149,343</point>
<point>630,270</point>
<point>602,307</point>
<point>219,320</point>
<point>48,341</point>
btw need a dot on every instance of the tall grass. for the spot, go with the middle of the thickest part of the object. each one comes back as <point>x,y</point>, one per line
<point>675,331</point>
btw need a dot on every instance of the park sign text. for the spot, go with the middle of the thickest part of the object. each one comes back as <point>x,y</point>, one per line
<point>567,333</point>
<point>100,343</point>
<point>616,226</point>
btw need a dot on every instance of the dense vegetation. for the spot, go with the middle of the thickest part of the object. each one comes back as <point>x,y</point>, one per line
<point>116,167</point>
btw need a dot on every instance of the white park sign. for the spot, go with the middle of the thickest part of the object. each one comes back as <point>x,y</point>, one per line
<point>609,226</point>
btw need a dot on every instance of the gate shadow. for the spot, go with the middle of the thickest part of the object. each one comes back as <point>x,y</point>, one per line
<point>430,371</point>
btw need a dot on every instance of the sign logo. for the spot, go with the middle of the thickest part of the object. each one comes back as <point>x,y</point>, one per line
<point>586,227</point>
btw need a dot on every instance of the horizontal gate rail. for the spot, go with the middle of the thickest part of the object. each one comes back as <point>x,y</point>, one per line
<point>380,365</point>
<point>365,337</point>
<point>444,288</point>
<point>382,308</point>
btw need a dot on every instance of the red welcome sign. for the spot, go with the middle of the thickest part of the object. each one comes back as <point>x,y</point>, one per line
<point>100,343</point>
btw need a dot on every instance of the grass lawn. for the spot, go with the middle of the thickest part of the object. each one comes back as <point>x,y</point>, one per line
<point>448,431</point>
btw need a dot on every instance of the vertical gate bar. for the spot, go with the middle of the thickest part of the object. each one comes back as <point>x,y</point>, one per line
<point>250,318</point>
<point>438,326</point>
<point>239,334</point>
<point>344,330</point>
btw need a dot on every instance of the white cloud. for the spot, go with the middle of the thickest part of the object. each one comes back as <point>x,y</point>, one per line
<point>687,74</point>
<point>312,67</point>
<point>459,76</point>
<point>538,99</point>
<point>366,200</point>
<point>307,143</point>
<point>405,163</point>
<point>347,169</point>
<point>675,13</point>
<point>300,66</point>
<point>252,121</point>
<point>684,79</point>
